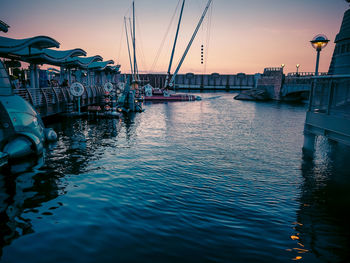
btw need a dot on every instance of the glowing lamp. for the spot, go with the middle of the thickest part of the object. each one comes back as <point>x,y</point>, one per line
<point>319,42</point>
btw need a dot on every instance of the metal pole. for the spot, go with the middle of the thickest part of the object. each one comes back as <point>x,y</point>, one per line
<point>190,43</point>
<point>173,51</point>
<point>134,42</point>
<point>317,61</point>
<point>127,41</point>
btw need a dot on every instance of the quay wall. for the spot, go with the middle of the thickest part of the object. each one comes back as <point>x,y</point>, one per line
<point>213,81</point>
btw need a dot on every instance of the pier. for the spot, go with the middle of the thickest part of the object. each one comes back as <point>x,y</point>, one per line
<point>49,101</point>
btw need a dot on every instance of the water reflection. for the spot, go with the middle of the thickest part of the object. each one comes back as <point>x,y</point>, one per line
<point>323,217</point>
<point>80,141</point>
<point>22,194</point>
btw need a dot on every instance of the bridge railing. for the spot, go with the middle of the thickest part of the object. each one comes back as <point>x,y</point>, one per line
<point>52,100</point>
<point>331,95</point>
<point>305,74</point>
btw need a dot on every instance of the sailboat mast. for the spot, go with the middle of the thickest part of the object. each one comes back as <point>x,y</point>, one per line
<point>173,51</point>
<point>134,42</point>
<point>127,41</point>
<point>171,83</point>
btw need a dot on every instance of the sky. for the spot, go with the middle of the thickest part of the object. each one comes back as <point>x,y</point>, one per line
<point>238,35</point>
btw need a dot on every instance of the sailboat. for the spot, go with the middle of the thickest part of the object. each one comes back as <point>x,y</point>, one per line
<point>165,94</point>
<point>131,98</point>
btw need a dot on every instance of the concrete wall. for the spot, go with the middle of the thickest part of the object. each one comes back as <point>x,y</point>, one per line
<point>213,81</point>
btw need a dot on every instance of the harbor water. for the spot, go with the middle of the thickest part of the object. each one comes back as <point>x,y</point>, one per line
<point>216,180</point>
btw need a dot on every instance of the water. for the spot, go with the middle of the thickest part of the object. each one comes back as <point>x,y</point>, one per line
<point>216,180</point>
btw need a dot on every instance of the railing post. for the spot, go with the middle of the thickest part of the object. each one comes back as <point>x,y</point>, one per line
<point>57,99</point>
<point>64,95</point>
<point>30,96</point>
<point>46,101</point>
<point>313,84</point>
<point>330,96</point>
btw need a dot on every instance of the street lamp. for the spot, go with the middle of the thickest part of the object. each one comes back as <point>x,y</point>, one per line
<point>282,66</point>
<point>319,42</point>
<point>298,66</point>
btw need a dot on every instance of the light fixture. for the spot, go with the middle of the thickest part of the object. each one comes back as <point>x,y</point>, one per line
<point>319,42</point>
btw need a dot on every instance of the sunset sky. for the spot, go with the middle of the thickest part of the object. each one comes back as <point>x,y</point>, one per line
<point>245,35</point>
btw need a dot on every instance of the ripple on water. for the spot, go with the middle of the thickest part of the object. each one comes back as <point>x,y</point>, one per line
<point>216,180</point>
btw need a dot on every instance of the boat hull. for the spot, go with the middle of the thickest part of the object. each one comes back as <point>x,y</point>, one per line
<point>175,97</point>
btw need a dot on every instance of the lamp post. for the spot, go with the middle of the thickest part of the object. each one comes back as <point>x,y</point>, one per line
<point>282,67</point>
<point>319,42</point>
<point>298,66</point>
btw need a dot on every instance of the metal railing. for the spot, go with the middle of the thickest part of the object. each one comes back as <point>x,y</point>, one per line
<point>331,95</point>
<point>53,100</point>
<point>305,74</point>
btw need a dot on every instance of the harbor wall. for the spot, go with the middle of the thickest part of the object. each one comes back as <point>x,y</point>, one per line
<point>213,81</point>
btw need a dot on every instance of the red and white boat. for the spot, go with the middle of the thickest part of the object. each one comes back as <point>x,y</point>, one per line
<point>156,94</point>
<point>166,94</point>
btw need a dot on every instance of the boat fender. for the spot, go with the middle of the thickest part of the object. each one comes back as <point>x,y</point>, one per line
<point>50,135</point>
<point>37,143</point>
<point>22,145</point>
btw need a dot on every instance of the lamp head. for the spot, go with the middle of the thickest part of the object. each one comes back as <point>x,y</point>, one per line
<point>319,42</point>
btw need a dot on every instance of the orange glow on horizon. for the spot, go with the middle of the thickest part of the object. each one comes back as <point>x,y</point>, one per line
<point>242,38</point>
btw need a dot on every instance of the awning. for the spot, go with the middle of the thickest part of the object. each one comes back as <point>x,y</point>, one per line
<point>11,45</point>
<point>100,65</point>
<point>82,62</point>
<point>3,26</point>
<point>48,56</point>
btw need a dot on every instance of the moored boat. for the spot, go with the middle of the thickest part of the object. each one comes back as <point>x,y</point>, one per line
<point>156,94</point>
<point>166,93</point>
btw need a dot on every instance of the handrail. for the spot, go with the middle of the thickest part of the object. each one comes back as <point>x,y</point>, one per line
<point>331,76</point>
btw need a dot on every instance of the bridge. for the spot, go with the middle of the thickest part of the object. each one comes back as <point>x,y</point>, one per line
<point>293,86</point>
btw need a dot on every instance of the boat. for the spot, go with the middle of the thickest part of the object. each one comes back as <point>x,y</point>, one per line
<point>22,132</point>
<point>131,99</point>
<point>157,94</point>
<point>166,93</point>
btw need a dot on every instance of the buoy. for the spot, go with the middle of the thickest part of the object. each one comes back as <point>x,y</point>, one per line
<point>50,135</point>
<point>76,89</point>
<point>108,87</point>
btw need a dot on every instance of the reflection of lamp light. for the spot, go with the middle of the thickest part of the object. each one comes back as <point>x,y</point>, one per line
<point>319,42</point>
<point>298,66</point>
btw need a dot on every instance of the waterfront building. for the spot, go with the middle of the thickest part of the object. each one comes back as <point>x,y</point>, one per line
<point>329,104</point>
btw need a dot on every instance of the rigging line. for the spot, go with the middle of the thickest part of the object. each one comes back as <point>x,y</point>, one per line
<point>174,46</point>
<point>190,43</point>
<point>127,40</point>
<point>209,26</point>
<point>159,51</point>
<point>140,46</point>
<point>132,40</point>
<point>120,42</point>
